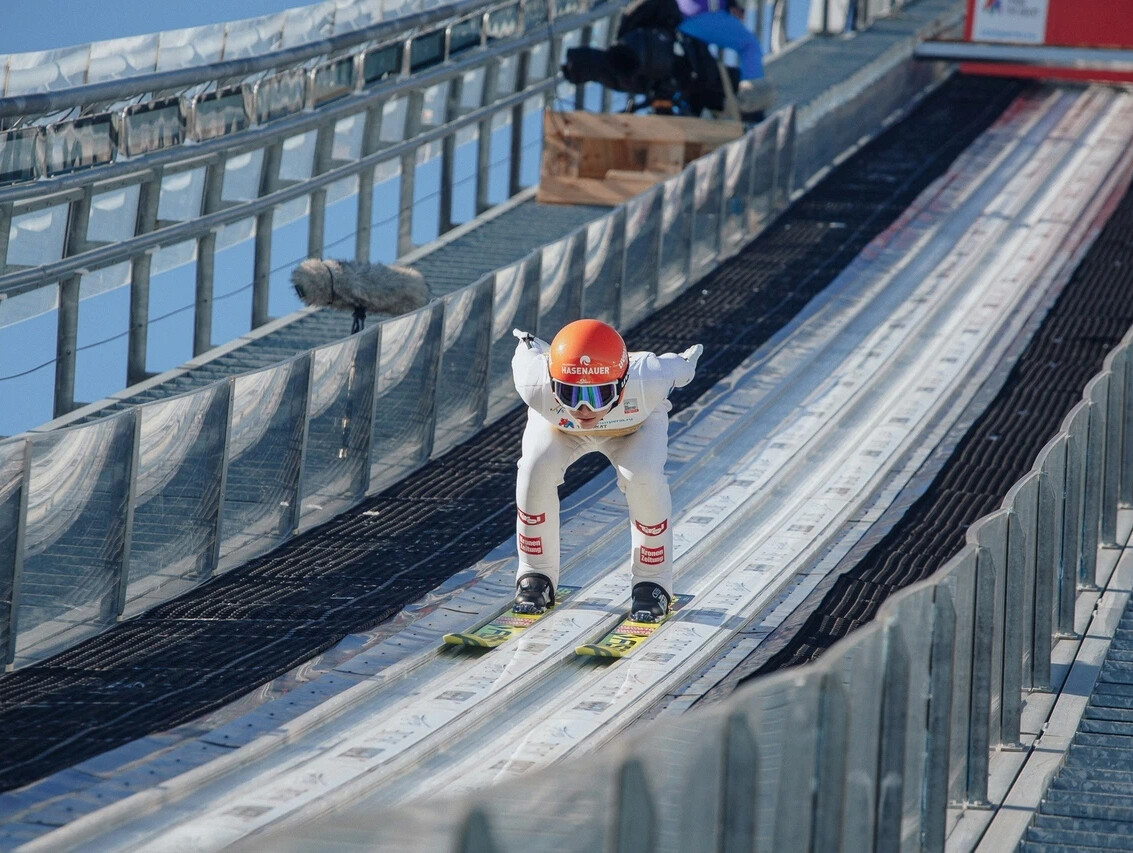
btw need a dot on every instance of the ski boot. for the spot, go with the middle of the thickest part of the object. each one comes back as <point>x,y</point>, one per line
<point>533,594</point>
<point>650,602</point>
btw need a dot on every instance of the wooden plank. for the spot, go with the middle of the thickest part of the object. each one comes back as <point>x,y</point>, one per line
<point>560,155</point>
<point>667,157</point>
<point>607,191</point>
<point>648,128</point>
<point>606,158</point>
<point>635,175</point>
<point>711,133</point>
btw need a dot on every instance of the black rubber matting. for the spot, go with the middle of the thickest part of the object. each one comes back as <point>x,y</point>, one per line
<point>196,653</point>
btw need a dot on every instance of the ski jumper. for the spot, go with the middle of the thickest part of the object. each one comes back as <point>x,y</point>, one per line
<point>633,436</point>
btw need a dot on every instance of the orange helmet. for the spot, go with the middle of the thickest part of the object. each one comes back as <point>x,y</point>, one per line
<point>589,364</point>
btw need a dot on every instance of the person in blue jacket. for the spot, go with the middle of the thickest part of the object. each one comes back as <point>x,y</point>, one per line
<point>720,22</point>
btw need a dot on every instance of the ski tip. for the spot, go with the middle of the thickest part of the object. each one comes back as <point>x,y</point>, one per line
<point>593,651</point>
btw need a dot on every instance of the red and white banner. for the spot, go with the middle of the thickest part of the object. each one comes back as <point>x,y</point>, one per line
<point>1084,29</point>
<point>1014,21</point>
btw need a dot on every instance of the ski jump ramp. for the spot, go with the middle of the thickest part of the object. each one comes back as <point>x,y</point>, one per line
<point>776,473</point>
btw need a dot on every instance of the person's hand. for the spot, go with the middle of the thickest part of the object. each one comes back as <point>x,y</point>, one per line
<point>692,354</point>
<point>528,338</point>
<point>537,344</point>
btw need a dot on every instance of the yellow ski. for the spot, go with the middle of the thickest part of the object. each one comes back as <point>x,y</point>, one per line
<point>505,626</point>
<point>628,635</point>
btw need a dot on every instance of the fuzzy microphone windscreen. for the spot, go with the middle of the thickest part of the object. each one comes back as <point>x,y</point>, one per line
<point>376,288</point>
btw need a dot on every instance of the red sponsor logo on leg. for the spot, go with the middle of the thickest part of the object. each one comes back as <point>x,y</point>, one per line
<point>652,556</point>
<point>531,544</point>
<point>528,518</point>
<point>652,529</point>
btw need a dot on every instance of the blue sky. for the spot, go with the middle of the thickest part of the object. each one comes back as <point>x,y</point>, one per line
<point>42,24</point>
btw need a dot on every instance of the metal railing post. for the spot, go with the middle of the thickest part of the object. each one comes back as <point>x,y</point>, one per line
<point>209,569</point>
<point>1125,454</point>
<point>778,25</point>
<point>1111,471</point>
<point>448,157</point>
<point>206,263</point>
<point>891,758</point>
<point>476,834</point>
<point>148,198</point>
<point>1046,573</point>
<point>484,136</point>
<point>1072,509</point>
<point>515,157</point>
<point>1052,506</point>
<point>740,787</point>
<point>123,582</point>
<point>301,469</point>
<point>371,134</point>
<point>993,546</point>
<point>370,350</point>
<point>66,345</point>
<point>414,103</point>
<point>635,815</point>
<point>795,783</point>
<point>9,650</point>
<point>316,221</point>
<point>1037,587</point>
<point>960,720</point>
<point>261,275</point>
<point>580,89</point>
<point>66,339</point>
<point>5,231</point>
<point>1092,485</point>
<point>939,728</point>
<point>983,640</point>
<point>1015,604</point>
<point>833,733</point>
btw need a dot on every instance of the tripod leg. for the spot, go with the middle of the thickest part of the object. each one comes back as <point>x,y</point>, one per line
<point>731,105</point>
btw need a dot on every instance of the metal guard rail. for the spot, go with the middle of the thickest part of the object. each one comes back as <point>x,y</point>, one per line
<point>867,747</point>
<point>278,84</point>
<point>323,70</point>
<point>333,25</point>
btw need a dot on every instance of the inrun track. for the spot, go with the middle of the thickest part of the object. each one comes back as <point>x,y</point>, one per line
<point>192,655</point>
<point>797,441</point>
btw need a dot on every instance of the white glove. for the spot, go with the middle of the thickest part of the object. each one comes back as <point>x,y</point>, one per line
<point>540,346</point>
<point>692,354</point>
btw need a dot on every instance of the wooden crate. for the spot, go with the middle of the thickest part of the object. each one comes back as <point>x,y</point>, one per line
<point>606,158</point>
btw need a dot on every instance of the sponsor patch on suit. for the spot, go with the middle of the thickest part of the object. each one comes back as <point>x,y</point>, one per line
<point>528,518</point>
<point>652,529</point>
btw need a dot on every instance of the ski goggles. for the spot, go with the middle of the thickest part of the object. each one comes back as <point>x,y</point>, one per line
<point>596,397</point>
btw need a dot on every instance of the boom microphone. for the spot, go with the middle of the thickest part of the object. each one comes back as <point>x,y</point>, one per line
<point>360,287</point>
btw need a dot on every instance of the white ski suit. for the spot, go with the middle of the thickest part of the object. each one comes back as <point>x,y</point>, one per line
<point>633,436</point>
